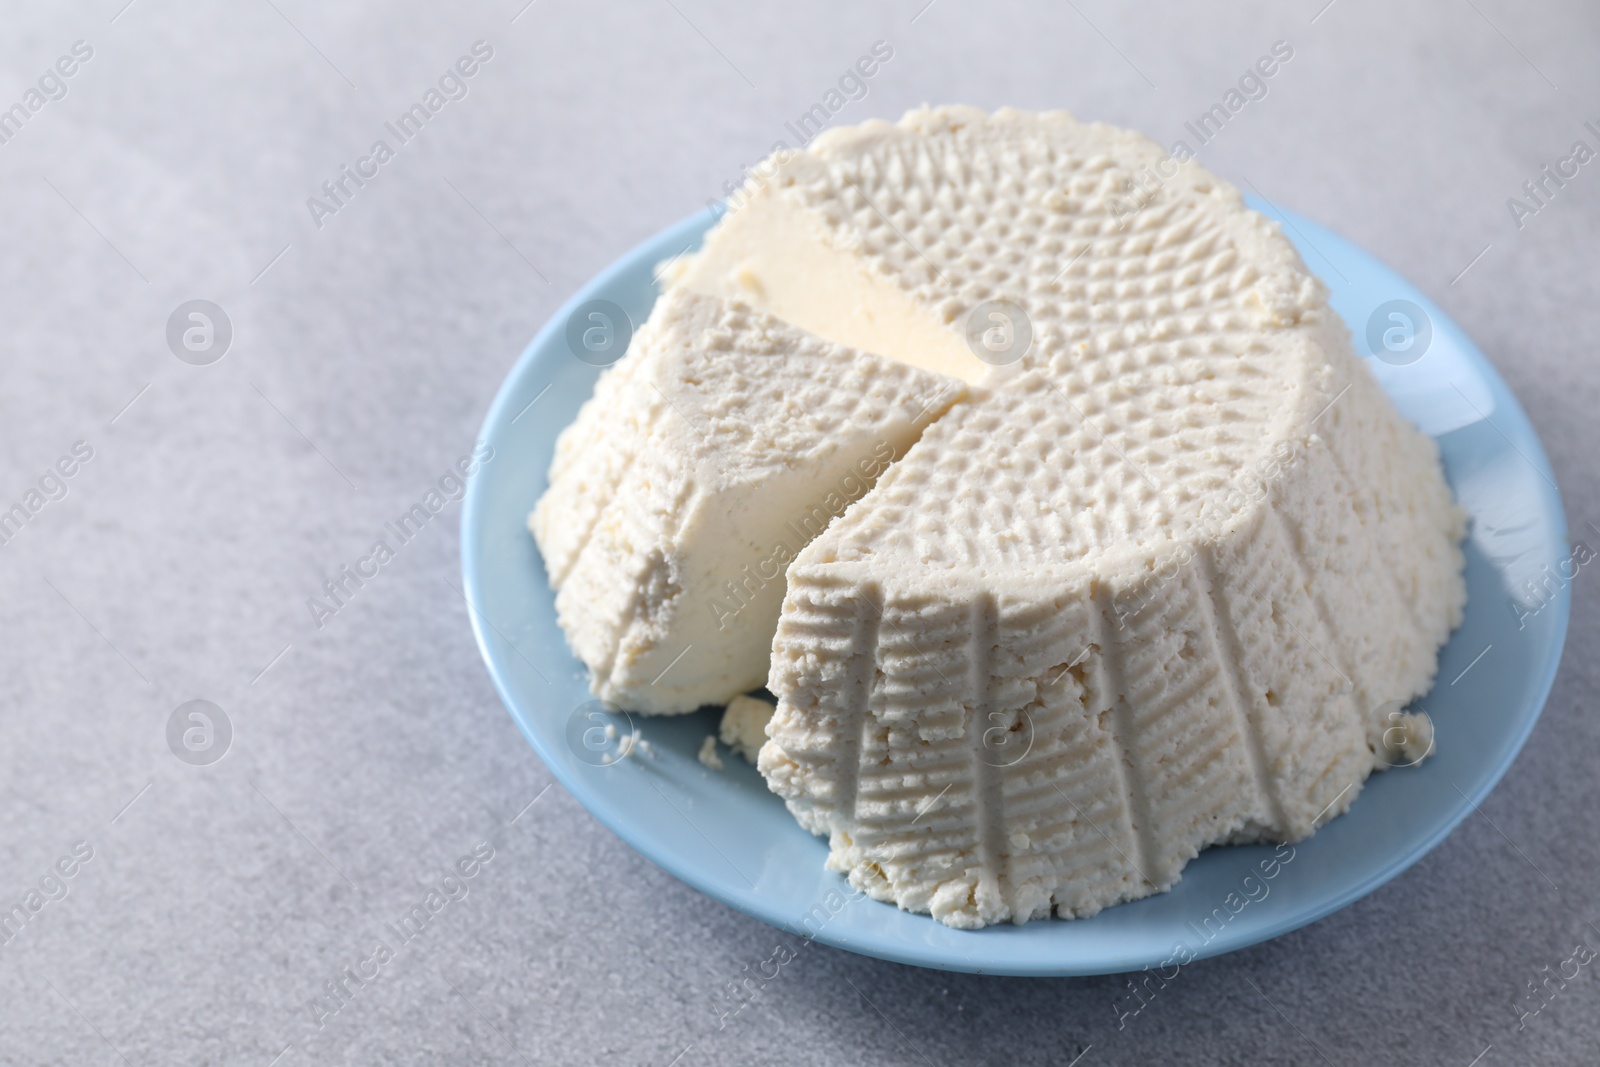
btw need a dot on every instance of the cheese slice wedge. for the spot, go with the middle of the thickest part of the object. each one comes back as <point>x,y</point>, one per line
<point>709,455</point>
<point>1146,590</point>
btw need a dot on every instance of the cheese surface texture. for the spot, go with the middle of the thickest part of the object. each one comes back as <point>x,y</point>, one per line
<point>1142,587</point>
<point>709,455</point>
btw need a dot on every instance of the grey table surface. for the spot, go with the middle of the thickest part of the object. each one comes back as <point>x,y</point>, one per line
<point>368,755</point>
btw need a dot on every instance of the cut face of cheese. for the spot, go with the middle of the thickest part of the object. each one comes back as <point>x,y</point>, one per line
<point>782,258</point>
<point>1143,593</point>
<point>709,455</point>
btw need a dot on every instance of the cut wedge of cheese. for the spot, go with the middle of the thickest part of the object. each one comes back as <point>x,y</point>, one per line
<point>720,444</point>
<point>1142,590</point>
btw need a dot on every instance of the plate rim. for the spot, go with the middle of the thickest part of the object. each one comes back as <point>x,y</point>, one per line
<point>917,955</point>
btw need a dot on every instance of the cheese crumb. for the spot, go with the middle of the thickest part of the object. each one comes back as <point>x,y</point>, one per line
<point>1409,741</point>
<point>744,725</point>
<point>708,753</point>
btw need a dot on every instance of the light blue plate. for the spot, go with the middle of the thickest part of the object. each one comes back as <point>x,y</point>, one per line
<point>724,834</point>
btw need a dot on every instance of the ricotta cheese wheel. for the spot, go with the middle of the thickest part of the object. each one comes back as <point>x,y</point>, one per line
<point>708,456</point>
<point>1145,589</point>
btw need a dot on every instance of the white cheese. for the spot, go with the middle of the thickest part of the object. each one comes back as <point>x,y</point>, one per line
<point>1144,590</point>
<point>744,725</point>
<point>708,754</point>
<point>719,445</point>
<point>1141,595</point>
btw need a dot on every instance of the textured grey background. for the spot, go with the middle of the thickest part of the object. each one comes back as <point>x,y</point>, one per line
<point>373,752</point>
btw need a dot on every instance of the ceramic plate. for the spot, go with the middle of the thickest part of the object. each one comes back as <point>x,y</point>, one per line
<point>726,835</point>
